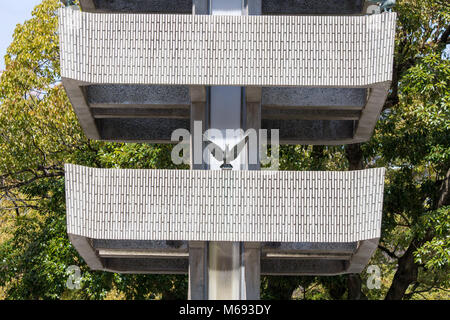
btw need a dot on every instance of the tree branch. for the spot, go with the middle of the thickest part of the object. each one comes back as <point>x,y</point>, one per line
<point>388,252</point>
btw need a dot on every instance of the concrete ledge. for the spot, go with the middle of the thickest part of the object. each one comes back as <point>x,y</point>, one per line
<point>148,245</point>
<point>304,115</point>
<point>320,98</point>
<point>137,6</point>
<point>86,251</point>
<point>146,265</point>
<point>324,116</point>
<point>362,255</point>
<point>317,131</point>
<point>297,7</point>
<point>306,267</point>
<point>155,130</point>
<point>172,257</point>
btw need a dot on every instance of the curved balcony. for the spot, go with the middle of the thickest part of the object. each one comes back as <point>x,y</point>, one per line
<point>321,79</point>
<point>309,217</point>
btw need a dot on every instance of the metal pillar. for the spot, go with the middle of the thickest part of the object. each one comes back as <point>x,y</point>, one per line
<point>225,270</point>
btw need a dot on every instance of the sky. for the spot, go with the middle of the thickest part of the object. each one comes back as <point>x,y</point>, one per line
<point>12,13</point>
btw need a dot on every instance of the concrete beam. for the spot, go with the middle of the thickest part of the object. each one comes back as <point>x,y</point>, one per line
<point>286,267</point>
<point>314,7</point>
<point>154,246</point>
<point>309,247</point>
<point>310,114</point>
<point>307,267</point>
<point>371,112</point>
<point>115,253</point>
<point>147,265</point>
<point>319,132</point>
<point>253,7</point>
<point>252,270</point>
<point>198,271</point>
<point>253,119</point>
<point>135,113</point>
<point>139,130</point>
<point>301,97</point>
<point>273,7</point>
<point>87,5</point>
<point>86,251</point>
<point>200,7</point>
<point>137,6</point>
<point>275,258</point>
<point>129,95</point>
<point>77,99</point>
<point>361,257</point>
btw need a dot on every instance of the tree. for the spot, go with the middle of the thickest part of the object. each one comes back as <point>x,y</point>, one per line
<point>413,139</point>
<point>39,132</point>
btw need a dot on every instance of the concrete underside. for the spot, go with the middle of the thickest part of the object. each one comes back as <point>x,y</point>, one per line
<point>150,113</point>
<point>269,7</point>
<point>146,113</point>
<point>172,257</point>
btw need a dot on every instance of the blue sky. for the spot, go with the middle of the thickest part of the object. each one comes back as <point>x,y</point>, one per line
<point>12,13</point>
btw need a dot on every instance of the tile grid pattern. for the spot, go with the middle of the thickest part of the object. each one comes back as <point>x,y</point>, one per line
<point>165,49</point>
<point>198,205</point>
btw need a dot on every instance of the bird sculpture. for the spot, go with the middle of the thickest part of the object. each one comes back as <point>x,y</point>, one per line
<point>228,154</point>
<point>387,4</point>
<point>384,4</point>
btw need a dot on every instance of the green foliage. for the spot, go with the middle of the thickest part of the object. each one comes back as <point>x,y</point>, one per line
<point>435,254</point>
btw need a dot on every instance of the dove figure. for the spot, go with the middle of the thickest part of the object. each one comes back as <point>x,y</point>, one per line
<point>228,154</point>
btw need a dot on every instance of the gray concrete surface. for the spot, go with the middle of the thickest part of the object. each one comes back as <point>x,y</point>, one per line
<point>287,258</point>
<point>274,7</point>
<point>138,6</point>
<point>293,7</point>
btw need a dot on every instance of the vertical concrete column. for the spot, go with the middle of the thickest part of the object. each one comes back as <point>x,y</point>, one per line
<point>252,7</point>
<point>198,250</point>
<point>198,96</point>
<point>251,251</point>
<point>226,108</point>
<point>198,274</point>
<point>224,270</point>
<point>198,277</point>
<point>251,256</point>
<point>224,263</point>
<point>253,121</point>
<point>200,6</point>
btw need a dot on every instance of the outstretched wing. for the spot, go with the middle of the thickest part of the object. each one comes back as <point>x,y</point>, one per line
<point>234,152</point>
<point>216,151</point>
<point>387,4</point>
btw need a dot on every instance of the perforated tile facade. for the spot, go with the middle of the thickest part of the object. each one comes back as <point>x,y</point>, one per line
<point>198,205</point>
<point>337,51</point>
